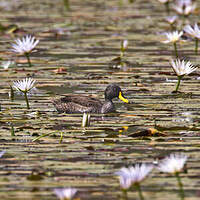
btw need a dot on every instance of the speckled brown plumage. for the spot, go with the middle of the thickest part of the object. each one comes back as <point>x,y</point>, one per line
<point>81,103</point>
<point>77,104</point>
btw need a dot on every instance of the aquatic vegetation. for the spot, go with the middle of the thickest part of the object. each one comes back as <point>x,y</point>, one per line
<point>173,37</point>
<point>86,120</point>
<point>182,68</point>
<point>65,193</point>
<point>193,32</point>
<point>120,61</point>
<point>8,64</point>
<point>24,86</point>
<point>12,130</point>
<point>25,46</point>
<point>174,164</point>
<point>124,45</point>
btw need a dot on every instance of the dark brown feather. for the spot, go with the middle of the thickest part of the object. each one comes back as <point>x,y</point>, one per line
<point>77,104</point>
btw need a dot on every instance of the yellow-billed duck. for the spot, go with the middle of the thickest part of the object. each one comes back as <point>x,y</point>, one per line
<point>82,104</point>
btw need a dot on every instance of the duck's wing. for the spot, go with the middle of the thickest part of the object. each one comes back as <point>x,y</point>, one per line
<point>77,104</point>
<point>82,100</point>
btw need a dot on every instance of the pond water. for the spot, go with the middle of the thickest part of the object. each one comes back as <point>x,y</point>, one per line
<point>75,55</point>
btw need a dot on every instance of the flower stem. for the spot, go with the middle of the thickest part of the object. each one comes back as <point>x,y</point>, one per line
<point>66,4</point>
<point>11,93</point>
<point>26,98</point>
<point>139,191</point>
<point>124,194</point>
<point>180,186</point>
<point>61,137</point>
<point>28,59</point>
<point>196,46</point>
<point>12,130</point>
<point>178,84</point>
<point>175,49</point>
<point>120,2</point>
<point>121,54</point>
<point>167,7</point>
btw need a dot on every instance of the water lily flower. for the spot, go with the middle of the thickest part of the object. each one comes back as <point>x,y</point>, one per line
<point>174,164</point>
<point>65,193</point>
<point>182,68</point>
<point>193,32</point>
<point>125,181</point>
<point>137,173</point>
<point>183,3</point>
<point>2,153</point>
<point>171,19</point>
<point>133,176</point>
<point>24,86</point>
<point>25,46</point>
<point>184,7</point>
<point>173,37</point>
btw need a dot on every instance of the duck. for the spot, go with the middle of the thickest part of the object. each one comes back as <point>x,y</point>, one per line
<point>85,104</point>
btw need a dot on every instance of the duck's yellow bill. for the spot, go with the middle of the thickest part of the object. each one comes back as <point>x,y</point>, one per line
<point>122,98</point>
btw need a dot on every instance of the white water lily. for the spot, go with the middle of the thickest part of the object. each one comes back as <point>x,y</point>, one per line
<point>24,85</point>
<point>24,45</point>
<point>136,174</point>
<point>173,163</point>
<point>183,67</point>
<point>2,153</point>
<point>125,182</point>
<point>124,178</point>
<point>65,193</point>
<point>173,37</point>
<point>124,44</point>
<point>192,31</point>
<point>183,3</point>
<point>195,33</point>
<point>171,19</point>
<point>184,7</point>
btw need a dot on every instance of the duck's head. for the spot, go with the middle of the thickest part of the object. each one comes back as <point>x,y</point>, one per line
<point>113,91</point>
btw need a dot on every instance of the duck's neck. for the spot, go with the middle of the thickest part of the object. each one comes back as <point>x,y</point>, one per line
<point>108,100</point>
<point>108,106</point>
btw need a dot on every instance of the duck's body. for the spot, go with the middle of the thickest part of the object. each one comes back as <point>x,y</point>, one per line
<point>85,104</point>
